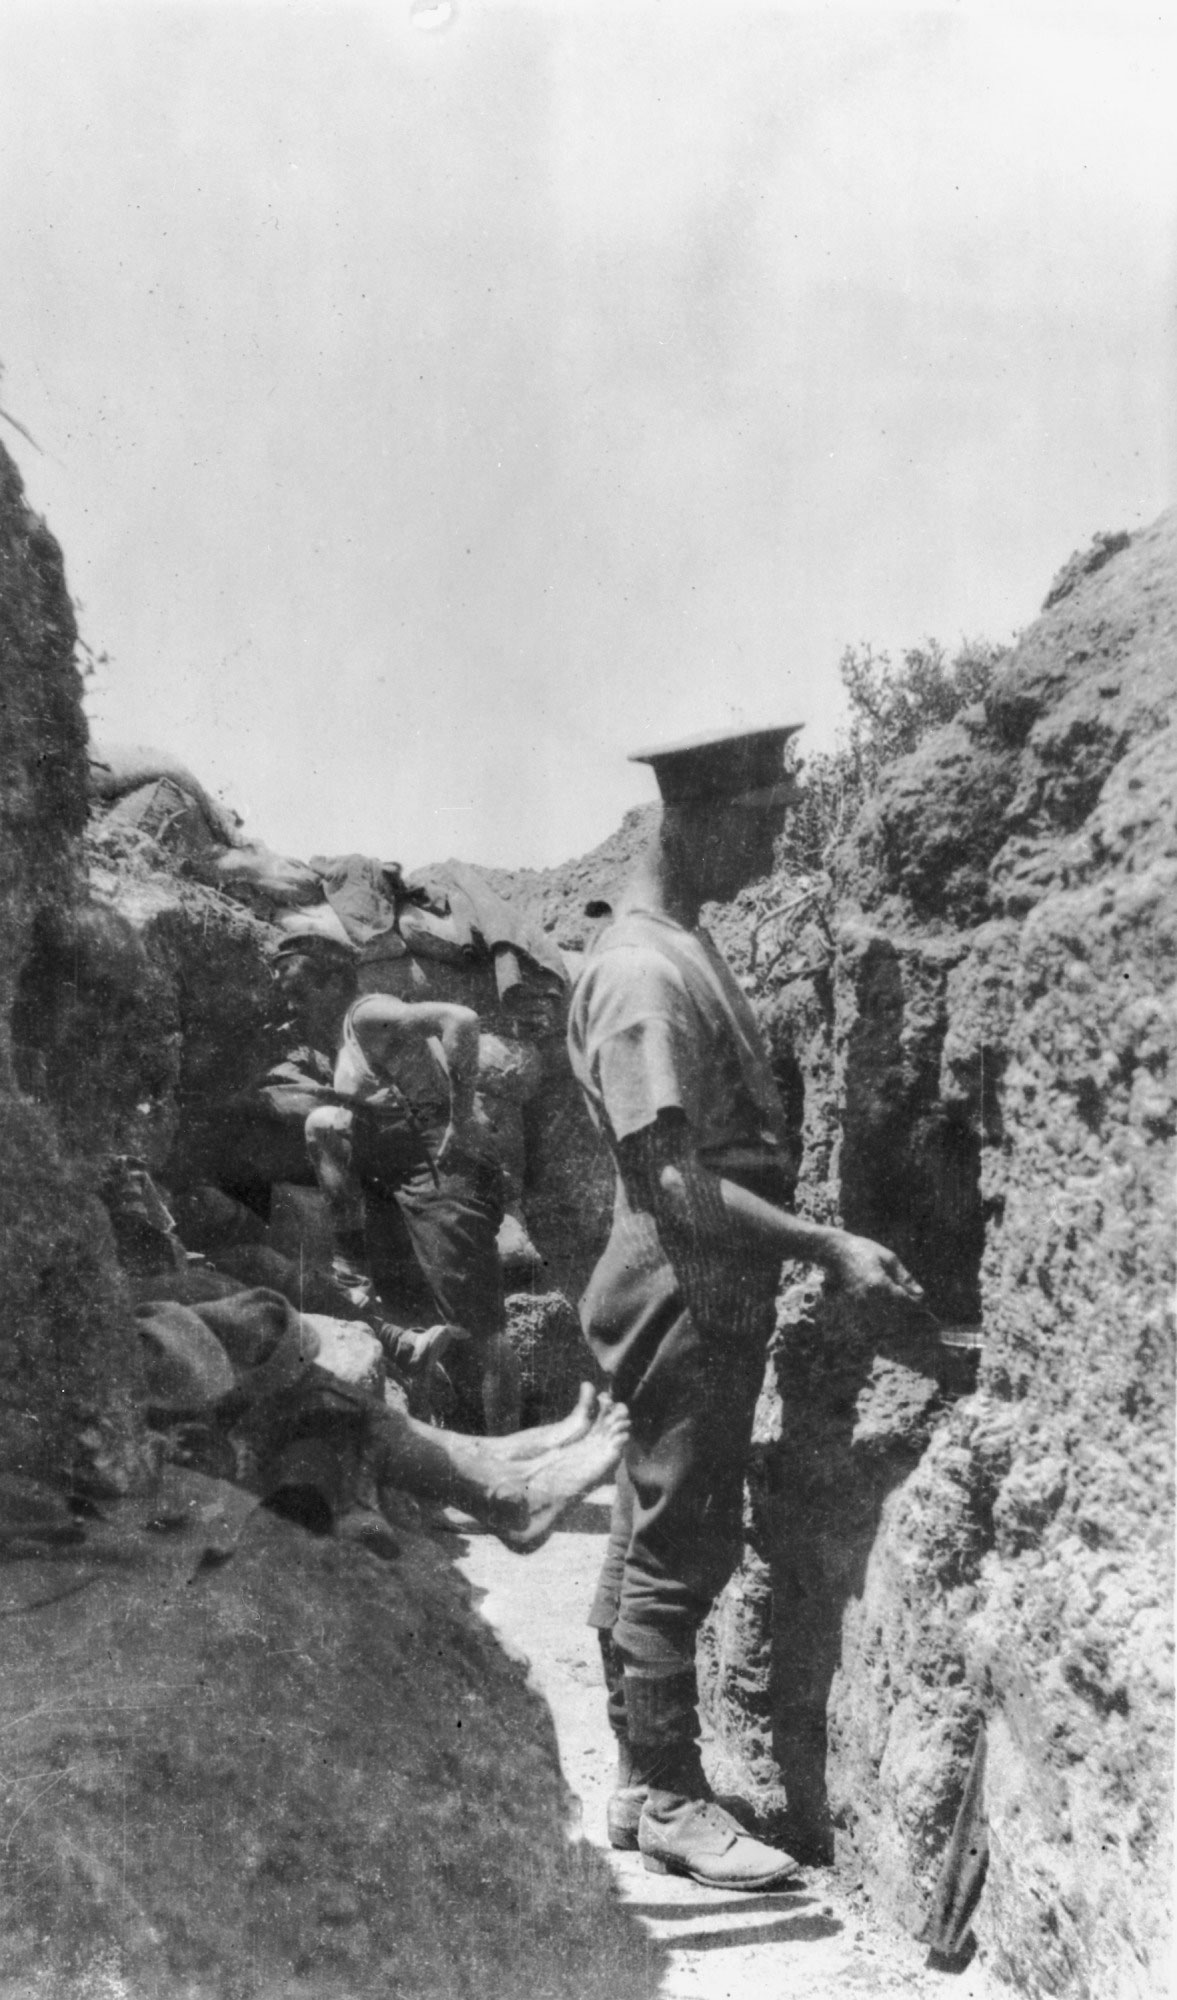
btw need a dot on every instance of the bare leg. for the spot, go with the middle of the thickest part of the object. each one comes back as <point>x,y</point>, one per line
<point>449,1466</point>
<point>501,1384</point>
<point>553,1482</point>
<point>520,1447</point>
<point>519,1499</point>
<point>543,1438</point>
<point>329,1145</point>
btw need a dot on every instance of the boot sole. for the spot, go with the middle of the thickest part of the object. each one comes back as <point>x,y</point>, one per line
<point>789,1878</point>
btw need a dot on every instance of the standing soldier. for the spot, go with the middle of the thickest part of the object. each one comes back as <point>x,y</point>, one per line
<point>682,1302</point>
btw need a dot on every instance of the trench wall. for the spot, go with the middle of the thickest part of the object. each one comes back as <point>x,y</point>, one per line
<point>132,1003</point>
<point>68,1361</point>
<point>980,1065</point>
<point>936,1541</point>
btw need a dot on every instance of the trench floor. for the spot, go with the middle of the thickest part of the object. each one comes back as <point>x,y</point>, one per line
<point>817,1943</point>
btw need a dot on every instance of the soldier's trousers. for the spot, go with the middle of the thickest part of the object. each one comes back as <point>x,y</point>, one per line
<point>677,1528</point>
<point>439,1225</point>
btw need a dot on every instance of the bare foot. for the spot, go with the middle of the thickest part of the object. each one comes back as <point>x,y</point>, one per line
<point>528,1506</point>
<point>542,1438</point>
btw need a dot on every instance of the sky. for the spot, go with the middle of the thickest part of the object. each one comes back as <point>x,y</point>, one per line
<point>432,415</point>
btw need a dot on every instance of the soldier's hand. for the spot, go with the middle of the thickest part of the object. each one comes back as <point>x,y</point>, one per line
<point>864,1270</point>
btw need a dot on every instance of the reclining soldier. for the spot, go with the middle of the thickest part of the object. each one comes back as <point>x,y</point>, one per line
<point>518,1486</point>
<point>244,1365</point>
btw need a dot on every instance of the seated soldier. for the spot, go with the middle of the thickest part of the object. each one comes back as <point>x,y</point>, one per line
<point>244,1146</point>
<point>405,1157</point>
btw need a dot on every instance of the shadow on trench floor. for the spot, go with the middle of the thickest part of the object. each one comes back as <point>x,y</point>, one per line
<point>242,1762</point>
<point>815,1943</point>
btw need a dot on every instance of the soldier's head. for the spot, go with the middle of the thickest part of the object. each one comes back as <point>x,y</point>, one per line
<point>316,978</point>
<point>724,800</point>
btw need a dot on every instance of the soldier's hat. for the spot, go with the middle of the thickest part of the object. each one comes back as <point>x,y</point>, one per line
<point>737,767</point>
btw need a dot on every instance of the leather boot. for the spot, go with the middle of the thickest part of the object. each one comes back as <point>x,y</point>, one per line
<point>697,1837</point>
<point>624,1808</point>
<point>682,1830</point>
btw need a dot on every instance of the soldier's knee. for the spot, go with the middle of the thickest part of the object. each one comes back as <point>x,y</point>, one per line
<point>327,1125</point>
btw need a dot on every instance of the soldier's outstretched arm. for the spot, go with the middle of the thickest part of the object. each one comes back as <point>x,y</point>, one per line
<point>664,1174</point>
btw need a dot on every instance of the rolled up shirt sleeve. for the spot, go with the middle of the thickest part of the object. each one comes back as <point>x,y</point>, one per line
<point>640,1040</point>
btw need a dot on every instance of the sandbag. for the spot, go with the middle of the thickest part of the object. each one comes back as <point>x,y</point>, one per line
<point>363,893</point>
<point>116,769</point>
<point>319,920</point>
<point>485,921</point>
<point>172,817</point>
<point>431,936</point>
<point>252,873</point>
